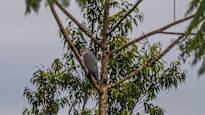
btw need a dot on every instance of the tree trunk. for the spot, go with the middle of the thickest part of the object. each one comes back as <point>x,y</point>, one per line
<point>105,59</point>
<point>103,99</point>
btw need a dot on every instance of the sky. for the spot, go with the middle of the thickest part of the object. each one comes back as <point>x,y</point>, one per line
<point>30,41</point>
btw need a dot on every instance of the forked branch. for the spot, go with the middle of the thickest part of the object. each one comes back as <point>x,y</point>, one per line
<point>152,61</point>
<point>151,33</point>
<point>69,15</point>
<point>68,40</point>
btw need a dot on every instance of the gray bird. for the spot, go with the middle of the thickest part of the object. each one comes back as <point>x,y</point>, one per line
<point>91,63</point>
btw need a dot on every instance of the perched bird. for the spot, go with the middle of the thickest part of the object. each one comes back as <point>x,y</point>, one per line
<point>91,63</point>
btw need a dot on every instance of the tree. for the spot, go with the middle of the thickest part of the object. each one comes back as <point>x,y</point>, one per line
<point>132,75</point>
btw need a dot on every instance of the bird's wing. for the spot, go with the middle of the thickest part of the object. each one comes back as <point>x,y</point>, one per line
<point>90,62</point>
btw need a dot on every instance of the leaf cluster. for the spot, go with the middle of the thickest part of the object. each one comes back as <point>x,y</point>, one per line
<point>57,87</point>
<point>194,45</point>
<point>138,92</point>
<point>34,5</point>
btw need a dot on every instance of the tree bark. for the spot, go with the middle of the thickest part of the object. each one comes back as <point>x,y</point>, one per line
<point>103,99</point>
<point>105,59</point>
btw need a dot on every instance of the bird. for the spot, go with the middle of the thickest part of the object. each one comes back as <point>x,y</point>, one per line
<point>91,63</point>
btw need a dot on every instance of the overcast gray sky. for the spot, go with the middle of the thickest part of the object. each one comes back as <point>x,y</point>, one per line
<point>29,41</point>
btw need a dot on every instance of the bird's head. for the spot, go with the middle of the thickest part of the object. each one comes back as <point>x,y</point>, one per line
<point>82,50</point>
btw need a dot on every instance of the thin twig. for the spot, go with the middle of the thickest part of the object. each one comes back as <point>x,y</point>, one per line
<point>140,101</point>
<point>149,63</point>
<point>176,33</point>
<point>69,15</point>
<point>128,13</point>
<point>68,40</point>
<point>174,10</point>
<point>150,34</point>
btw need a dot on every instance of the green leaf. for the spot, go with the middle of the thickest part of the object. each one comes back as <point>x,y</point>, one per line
<point>32,5</point>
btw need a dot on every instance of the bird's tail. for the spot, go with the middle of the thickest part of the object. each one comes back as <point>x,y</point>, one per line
<point>93,76</point>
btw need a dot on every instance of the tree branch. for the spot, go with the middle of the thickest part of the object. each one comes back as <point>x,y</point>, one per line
<point>176,33</point>
<point>149,63</point>
<point>68,40</point>
<point>128,13</point>
<point>77,22</point>
<point>151,33</point>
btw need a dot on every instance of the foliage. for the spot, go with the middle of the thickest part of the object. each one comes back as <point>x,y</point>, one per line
<point>63,84</point>
<point>195,44</point>
<point>138,92</point>
<point>57,87</point>
<point>60,86</point>
<point>34,5</point>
